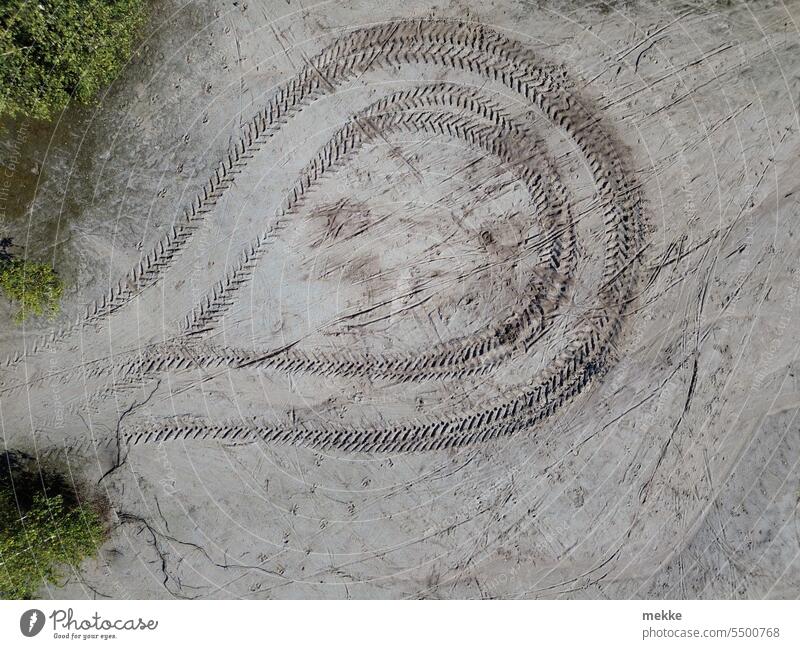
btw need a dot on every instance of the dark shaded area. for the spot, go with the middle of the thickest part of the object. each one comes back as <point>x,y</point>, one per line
<point>26,478</point>
<point>5,244</point>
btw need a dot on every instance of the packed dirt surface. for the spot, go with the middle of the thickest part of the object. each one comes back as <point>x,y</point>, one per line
<point>488,299</point>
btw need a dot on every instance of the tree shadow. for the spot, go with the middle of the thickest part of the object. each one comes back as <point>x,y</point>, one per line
<point>26,478</point>
<point>5,253</point>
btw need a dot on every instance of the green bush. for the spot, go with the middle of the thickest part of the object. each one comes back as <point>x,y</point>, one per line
<point>44,530</point>
<point>36,545</point>
<point>51,50</point>
<point>36,287</point>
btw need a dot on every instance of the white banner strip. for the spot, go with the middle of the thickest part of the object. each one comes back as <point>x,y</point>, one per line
<point>294,624</point>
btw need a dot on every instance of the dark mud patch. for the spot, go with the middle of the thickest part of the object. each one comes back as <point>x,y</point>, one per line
<point>34,155</point>
<point>77,191</point>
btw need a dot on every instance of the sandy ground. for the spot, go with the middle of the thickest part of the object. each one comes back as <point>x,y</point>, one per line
<point>416,299</point>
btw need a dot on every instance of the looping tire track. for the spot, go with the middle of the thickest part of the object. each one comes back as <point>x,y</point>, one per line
<point>417,110</point>
<point>478,50</point>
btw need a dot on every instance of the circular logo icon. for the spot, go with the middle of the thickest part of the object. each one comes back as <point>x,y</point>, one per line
<point>31,622</point>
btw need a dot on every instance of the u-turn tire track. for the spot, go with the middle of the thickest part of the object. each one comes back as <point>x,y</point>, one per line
<point>587,354</point>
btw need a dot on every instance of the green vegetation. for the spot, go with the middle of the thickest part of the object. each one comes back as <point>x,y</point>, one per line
<point>52,50</point>
<point>36,287</point>
<point>44,530</point>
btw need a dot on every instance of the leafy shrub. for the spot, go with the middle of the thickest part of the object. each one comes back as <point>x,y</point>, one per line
<point>43,530</point>
<point>36,544</point>
<point>36,287</point>
<point>55,49</point>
